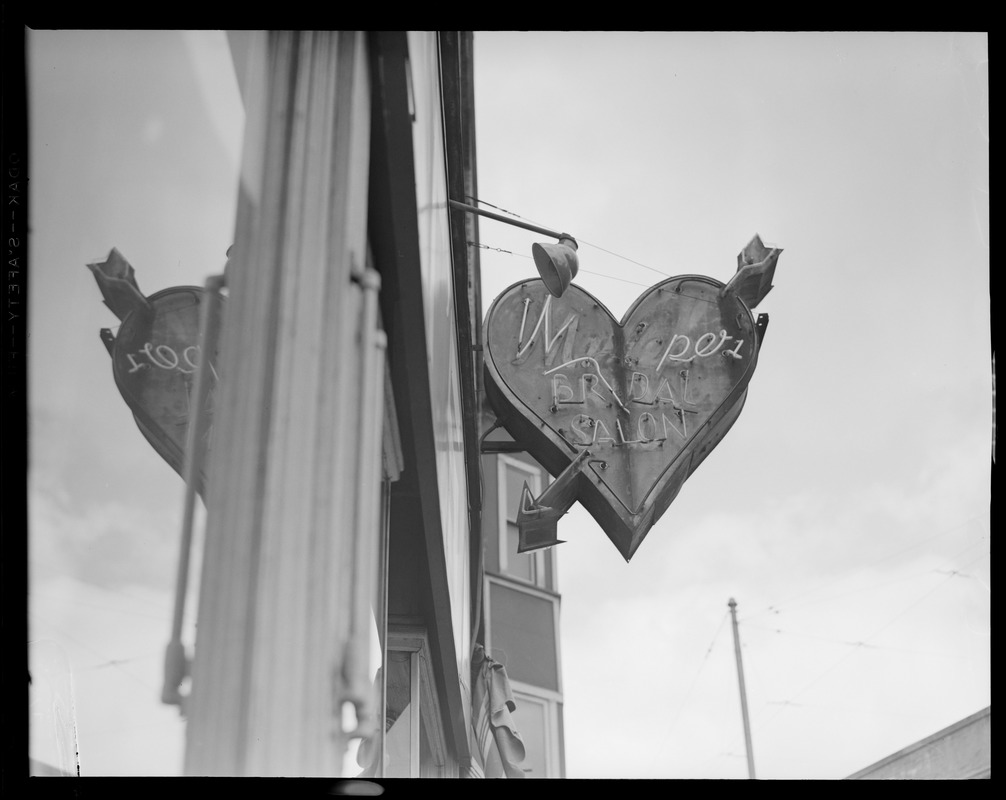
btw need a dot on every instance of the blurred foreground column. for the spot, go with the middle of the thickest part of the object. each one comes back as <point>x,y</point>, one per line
<point>286,519</point>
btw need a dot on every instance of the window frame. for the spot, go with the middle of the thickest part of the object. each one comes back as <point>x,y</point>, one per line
<point>526,588</point>
<point>424,702</point>
<point>543,569</point>
<point>550,701</point>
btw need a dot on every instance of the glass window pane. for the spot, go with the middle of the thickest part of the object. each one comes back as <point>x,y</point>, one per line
<point>531,720</point>
<point>514,485</point>
<point>429,765</point>
<point>523,635</point>
<point>520,565</point>
<point>398,741</point>
<point>546,579</point>
<point>136,141</point>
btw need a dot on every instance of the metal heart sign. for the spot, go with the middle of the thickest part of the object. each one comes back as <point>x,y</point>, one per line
<point>156,356</point>
<point>154,361</point>
<point>646,399</point>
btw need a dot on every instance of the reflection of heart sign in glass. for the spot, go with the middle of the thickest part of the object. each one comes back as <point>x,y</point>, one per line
<point>155,359</point>
<point>647,398</point>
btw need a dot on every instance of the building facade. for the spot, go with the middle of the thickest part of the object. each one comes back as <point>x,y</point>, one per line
<point>522,604</point>
<point>354,541</point>
<point>962,751</point>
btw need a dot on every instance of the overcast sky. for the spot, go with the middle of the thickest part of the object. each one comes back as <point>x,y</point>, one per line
<point>847,510</point>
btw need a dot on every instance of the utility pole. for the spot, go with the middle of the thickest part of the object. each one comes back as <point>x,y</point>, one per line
<point>744,699</point>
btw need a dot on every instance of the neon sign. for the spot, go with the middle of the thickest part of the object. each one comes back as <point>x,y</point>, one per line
<point>155,356</point>
<point>622,411</point>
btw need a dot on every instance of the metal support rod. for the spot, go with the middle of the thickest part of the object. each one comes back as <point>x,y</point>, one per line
<point>175,660</point>
<point>744,698</point>
<point>509,220</point>
<point>503,447</point>
<point>382,710</point>
<point>356,688</point>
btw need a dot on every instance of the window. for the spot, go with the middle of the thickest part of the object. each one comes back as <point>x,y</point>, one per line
<point>414,740</point>
<point>537,720</point>
<point>522,630</point>
<point>151,167</point>
<point>523,633</point>
<point>403,714</point>
<point>536,567</point>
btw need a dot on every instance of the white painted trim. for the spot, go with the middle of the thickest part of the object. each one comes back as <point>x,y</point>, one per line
<point>424,699</point>
<point>524,586</point>
<point>551,709</point>
<point>534,480</point>
<point>538,691</point>
<point>415,679</point>
<point>273,563</point>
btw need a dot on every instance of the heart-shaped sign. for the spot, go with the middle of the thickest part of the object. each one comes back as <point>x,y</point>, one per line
<point>155,358</point>
<point>647,398</point>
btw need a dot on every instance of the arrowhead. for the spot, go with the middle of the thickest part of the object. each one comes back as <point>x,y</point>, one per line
<point>536,525</point>
<point>754,252</point>
<point>537,519</point>
<point>538,539</point>
<point>755,270</point>
<point>117,282</point>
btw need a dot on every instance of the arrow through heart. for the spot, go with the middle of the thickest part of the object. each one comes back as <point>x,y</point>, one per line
<point>647,398</point>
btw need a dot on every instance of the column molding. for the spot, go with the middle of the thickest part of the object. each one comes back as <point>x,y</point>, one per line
<point>275,600</point>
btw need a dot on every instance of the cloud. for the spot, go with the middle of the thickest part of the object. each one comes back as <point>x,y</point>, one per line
<point>106,543</point>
